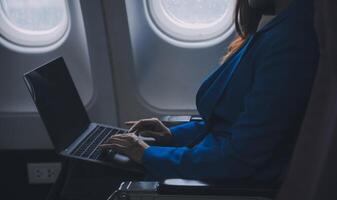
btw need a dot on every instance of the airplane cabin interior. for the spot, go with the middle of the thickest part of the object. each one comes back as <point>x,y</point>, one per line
<point>168,99</point>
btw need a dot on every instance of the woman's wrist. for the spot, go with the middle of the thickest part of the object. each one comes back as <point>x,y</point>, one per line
<point>139,152</point>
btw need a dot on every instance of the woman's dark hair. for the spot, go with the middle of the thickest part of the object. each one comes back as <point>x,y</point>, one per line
<point>246,18</point>
<point>246,21</point>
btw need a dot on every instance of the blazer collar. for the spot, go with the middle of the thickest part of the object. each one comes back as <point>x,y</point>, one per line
<point>298,10</point>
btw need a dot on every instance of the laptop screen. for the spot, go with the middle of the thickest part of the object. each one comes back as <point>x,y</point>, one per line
<point>58,102</point>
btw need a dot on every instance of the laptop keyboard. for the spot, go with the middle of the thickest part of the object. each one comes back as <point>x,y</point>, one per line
<point>89,147</point>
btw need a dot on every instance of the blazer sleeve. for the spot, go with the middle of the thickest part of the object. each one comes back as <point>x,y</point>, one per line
<point>274,105</point>
<point>185,133</point>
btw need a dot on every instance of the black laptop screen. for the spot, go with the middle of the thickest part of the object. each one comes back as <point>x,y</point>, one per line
<point>58,102</point>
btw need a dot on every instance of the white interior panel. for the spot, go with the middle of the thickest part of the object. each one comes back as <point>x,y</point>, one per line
<point>86,55</point>
<point>15,98</point>
<point>167,75</point>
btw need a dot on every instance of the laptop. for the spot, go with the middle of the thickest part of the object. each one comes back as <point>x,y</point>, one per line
<point>66,120</point>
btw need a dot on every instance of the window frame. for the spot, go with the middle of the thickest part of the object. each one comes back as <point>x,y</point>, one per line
<point>22,40</point>
<point>167,29</point>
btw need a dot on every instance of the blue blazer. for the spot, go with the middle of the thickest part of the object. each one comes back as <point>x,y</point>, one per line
<point>253,106</point>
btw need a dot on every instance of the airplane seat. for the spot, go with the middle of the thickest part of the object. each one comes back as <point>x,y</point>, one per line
<point>180,189</point>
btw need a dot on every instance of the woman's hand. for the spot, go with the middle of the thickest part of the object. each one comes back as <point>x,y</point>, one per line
<point>151,128</point>
<point>128,144</point>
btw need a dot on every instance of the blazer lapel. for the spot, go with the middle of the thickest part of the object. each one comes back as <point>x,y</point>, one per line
<point>212,95</point>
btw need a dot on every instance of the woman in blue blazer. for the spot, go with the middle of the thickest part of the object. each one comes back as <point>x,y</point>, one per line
<point>252,105</point>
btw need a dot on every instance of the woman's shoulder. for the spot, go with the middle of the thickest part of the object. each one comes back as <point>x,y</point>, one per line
<point>296,46</point>
<point>290,35</point>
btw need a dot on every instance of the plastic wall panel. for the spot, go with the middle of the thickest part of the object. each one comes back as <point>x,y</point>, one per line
<point>167,76</point>
<point>15,64</point>
<point>86,54</point>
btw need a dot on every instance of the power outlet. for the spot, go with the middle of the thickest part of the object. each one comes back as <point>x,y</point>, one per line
<point>43,172</point>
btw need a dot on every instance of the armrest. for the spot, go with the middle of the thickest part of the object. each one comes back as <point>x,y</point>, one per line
<point>179,189</point>
<point>173,120</point>
<point>191,187</point>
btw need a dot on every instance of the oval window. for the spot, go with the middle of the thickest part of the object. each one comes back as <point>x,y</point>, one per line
<point>33,23</point>
<point>191,21</point>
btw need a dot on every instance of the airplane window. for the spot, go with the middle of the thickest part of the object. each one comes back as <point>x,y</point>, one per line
<point>33,23</point>
<point>191,22</point>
